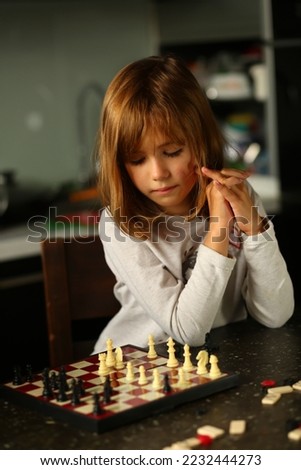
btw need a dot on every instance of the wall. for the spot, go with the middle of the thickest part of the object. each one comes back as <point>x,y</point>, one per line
<point>57,58</point>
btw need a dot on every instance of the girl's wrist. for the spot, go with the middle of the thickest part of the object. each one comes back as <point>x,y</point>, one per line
<point>260,228</point>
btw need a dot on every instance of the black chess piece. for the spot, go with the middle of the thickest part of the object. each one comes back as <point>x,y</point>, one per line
<point>81,387</point>
<point>47,390</point>
<point>54,381</point>
<point>63,378</point>
<point>107,391</point>
<point>17,376</point>
<point>75,395</point>
<point>96,404</point>
<point>29,375</point>
<point>62,395</point>
<point>167,387</point>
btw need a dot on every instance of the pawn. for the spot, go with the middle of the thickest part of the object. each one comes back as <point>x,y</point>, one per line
<point>102,369</point>
<point>54,381</point>
<point>47,390</point>
<point>63,378</point>
<point>81,388</point>
<point>130,377</point>
<point>29,375</point>
<point>151,351</point>
<point>75,393</point>
<point>107,391</point>
<point>96,405</point>
<point>166,388</point>
<point>142,377</point>
<point>182,382</point>
<point>62,395</point>
<point>214,369</point>
<point>17,377</point>
<point>156,380</point>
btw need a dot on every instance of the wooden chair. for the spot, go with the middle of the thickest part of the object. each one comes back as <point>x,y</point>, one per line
<point>79,296</point>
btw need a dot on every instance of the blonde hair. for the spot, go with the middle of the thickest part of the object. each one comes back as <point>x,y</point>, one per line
<point>157,93</point>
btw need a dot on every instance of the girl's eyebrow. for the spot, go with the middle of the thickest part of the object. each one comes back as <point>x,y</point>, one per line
<point>165,144</point>
<point>170,142</point>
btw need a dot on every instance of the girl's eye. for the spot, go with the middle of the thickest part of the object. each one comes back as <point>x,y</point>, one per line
<point>176,153</point>
<point>137,161</point>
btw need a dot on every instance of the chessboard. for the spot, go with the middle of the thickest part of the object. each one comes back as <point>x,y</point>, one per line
<point>95,410</point>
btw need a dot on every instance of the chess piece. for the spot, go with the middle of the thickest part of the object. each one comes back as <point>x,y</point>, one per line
<point>142,377</point>
<point>47,390</point>
<point>202,358</point>
<point>110,359</point>
<point>156,380</point>
<point>96,405</point>
<point>119,364</point>
<point>81,388</point>
<point>107,390</point>
<point>151,348</point>
<point>102,369</point>
<point>166,388</point>
<point>17,377</point>
<point>182,382</point>
<point>75,393</point>
<point>130,377</point>
<point>54,381</point>
<point>172,360</point>
<point>214,369</point>
<point>63,378</point>
<point>29,375</point>
<point>62,395</point>
<point>188,366</point>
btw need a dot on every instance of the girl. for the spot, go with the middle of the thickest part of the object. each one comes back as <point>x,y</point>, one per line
<point>188,240</point>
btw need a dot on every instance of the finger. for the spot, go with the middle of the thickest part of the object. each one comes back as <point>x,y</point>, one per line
<point>242,174</point>
<point>234,177</point>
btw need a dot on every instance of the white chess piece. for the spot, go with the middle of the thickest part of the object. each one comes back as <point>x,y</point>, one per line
<point>187,362</point>
<point>142,377</point>
<point>151,351</point>
<point>130,376</point>
<point>110,360</point>
<point>156,380</point>
<point>102,369</point>
<point>182,382</point>
<point>119,358</point>
<point>202,359</point>
<point>214,369</point>
<point>172,360</point>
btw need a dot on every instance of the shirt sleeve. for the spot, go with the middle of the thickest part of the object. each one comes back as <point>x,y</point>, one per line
<point>267,289</point>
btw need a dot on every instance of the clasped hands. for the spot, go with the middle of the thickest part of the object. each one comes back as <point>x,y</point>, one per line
<point>229,200</point>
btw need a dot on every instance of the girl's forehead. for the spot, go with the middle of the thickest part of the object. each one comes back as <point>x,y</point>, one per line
<point>154,138</point>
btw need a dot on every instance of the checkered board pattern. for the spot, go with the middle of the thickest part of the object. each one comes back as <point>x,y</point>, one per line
<point>129,401</point>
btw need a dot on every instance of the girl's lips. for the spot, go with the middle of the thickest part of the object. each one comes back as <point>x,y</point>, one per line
<point>164,190</point>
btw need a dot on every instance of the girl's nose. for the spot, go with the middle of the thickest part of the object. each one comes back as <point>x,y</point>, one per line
<point>160,170</point>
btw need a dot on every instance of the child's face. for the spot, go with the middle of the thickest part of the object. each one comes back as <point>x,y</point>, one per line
<point>163,171</point>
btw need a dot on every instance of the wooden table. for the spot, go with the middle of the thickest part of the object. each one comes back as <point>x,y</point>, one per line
<point>255,352</point>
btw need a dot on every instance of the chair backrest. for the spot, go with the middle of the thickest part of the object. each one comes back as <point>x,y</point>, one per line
<point>79,296</point>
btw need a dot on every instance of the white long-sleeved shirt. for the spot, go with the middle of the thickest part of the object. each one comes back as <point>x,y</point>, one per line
<point>176,286</point>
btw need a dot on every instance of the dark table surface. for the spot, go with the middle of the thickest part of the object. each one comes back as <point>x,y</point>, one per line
<point>253,351</point>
